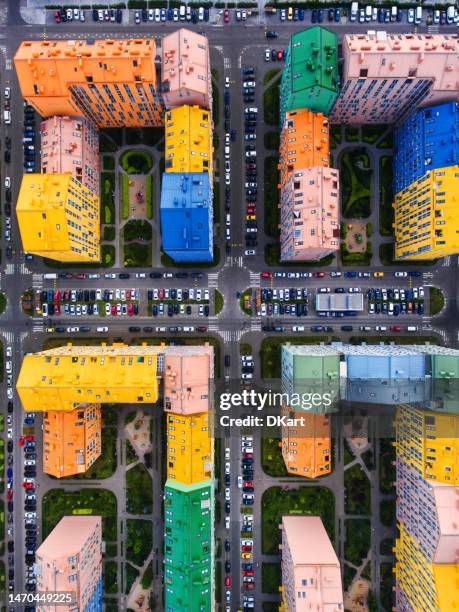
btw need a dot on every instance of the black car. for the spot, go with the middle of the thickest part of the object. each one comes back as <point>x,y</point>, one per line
<point>181,275</point>
<point>95,16</point>
<point>10,410</point>
<point>176,308</point>
<point>8,209</point>
<point>156,275</point>
<point>227,507</point>
<point>124,275</point>
<point>144,15</point>
<point>197,274</point>
<point>11,574</point>
<point>119,16</point>
<point>227,361</point>
<point>271,34</point>
<point>170,310</point>
<point>227,545</point>
<point>10,445</point>
<point>7,157</point>
<point>227,567</point>
<point>148,329</point>
<point>9,252</point>
<point>133,329</point>
<point>11,546</point>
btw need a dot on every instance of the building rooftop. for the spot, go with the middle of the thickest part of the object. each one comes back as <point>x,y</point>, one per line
<point>339,301</point>
<point>69,536</point>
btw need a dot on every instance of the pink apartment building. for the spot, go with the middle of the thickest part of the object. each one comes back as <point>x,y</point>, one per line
<point>70,144</point>
<point>70,560</point>
<point>185,70</point>
<point>310,214</point>
<point>385,75</point>
<point>311,574</point>
<point>186,379</point>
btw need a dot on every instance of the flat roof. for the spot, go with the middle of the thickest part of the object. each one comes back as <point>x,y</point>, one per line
<point>337,302</point>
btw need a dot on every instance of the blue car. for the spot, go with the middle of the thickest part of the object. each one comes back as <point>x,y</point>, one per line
<point>301,14</point>
<point>206,14</point>
<point>314,16</point>
<point>9,472</point>
<point>170,14</point>
<point>350,274</point>
<point>29,421</point>
<point>337,15</point>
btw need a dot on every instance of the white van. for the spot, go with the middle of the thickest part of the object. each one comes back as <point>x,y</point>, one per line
<point>450,14</point>
<point>7,117</point>
<point>412,328</point>
<point>354,11</point>
<point>102,329</point>
<point>182,12</point>
<point>418,17</point>
<point>50,276</point>
<point>393,13</point>
<point>227,152</point>
<point>368,12</point>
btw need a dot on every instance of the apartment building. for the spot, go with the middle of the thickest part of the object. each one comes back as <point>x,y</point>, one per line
<point>72,441</point>
<point>310,75</point>
<point>185,70</point>
<point>309,205</point>
<point>70,560</point>
<point>189,448</point>
<point>186,210</point>
<point>425,214</point>
<point>70,144</point>
<point>58,218</point>
<point>112,83</point>
<point>385,76</point>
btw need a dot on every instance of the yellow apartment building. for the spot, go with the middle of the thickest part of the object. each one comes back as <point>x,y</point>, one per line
<point>189,449</point>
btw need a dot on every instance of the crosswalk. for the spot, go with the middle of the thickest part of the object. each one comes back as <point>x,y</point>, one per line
<point>37,281</point>
<point>254,279</point>
<point>236,261</point>
<point>446,261</point>
<point>433,28</point>
<point>9,269</point>
<point>37,324</point>
<point>426,275</point>
<point>212,278</point>
<point>23,269</point>
<point>212,327</point>
<point>9,336</point>
<point>231,335</point>
<point>255,324</point>
<point>227,63</point>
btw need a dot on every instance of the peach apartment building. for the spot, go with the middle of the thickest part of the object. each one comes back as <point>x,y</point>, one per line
<point>311,574</point>
<point>70,144</point>
<point>185,70</point>
<point>112,83</point>
<point>304,142</point>
<point>386,75</point>
<point>310,214</point>
<point>186,379</point>
<point>70,560</point>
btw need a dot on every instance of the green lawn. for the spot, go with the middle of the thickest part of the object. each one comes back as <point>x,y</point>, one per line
<point>358,540</point>
<point>386,546</point>
<point>387,472</point>
<point>437,300</point>
<point>139,491</point>
<point>105,466</point>
<point>272,140</point>
<point>137,255</point>
<point>387,583</point>
<point>271,103</point>
<point>108,162</point>
<point>109,233</point>
<point>131,575</point>
<point>351,134</point>
<point>136,161</point>
<point>386,212</point>
<point>57,503</point>
<point>124,189</point>
<point>137,229</point>
<point>110,577</point>
<point>270,74</point>
<point>276,502</point>
<point>149,195</point>
<point>215,102</point>
<point>271,197</point>
<point>219,302</point>
<point>131,455</point>
<point>356,259</point>
<point>371,132</point>
<point>2,302</point>
<point>335,133</point>
<point>348,575</point>
<point>106,145</point>
<point>271,577</point>
<point>139,540</point>
<point>247,294</point>
<point>272,461</point>
<point>387,512</point>
<point>107,203</point>
<point>357,490</point>
<point>355,181</point>
<point>147,577</point>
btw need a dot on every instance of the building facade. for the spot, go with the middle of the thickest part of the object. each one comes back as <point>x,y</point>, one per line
<point>186,210</point>
<point>72,441</point>
<point>58,218</point>
<point>189,448</point>
<point>188,140</point>
<point>304,142</point>
<point>427,140</point>
<point>310,214</point>
<point>311,573</point>
<point>310,75</point>
<point>70,144</point>
<point>185,70</point>
<point>70,560</point>
<point>112,83</point>
<point>386,75</point>
<point>426,224</point>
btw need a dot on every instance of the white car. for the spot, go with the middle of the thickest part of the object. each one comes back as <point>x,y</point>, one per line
<point>107,308</point>
<point>267,55</point>
<point>227,452</point>
<point>249,84</point>
<point>198,295</point>
<point>227,521</point>
<point>246,376</point>
<point>325,290</point>
<point>297,328</point>
<point>354,290</point>
<point>9,433</point>
<point>141,275</point>
<point>110,275</point>
<point>381,328</point>
<point>206,295</point>
<point>30,515</point>
<point>72,329</point>
<point>9,351</point>
<point>7,93</point>
<point>9,366</point>
<point>227,467</point>
<point>421,292</point>
<point>227,494</point>
<point>249,252</point>
<point>411,15</point>
<point>239,482</point>
<point>400,274</point>
<point>9,393</point>
<point>7,181</point>
<point>201,310</point>
<point>227,82</point>
<point>102,329</point>
<point>29,462</point>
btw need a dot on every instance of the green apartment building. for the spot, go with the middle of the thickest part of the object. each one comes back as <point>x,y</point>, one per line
<point>310,76</point>
<point>188,546</point>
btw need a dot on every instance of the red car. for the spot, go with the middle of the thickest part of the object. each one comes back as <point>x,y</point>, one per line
<point>30,438</point>
<point>250,455</point>
<point>227,581</point>
<point>248,573</point>
<point>161,294</point>
<point>81,276</point>
<point>248,483</point>
<point>226,16</point>
<point>395,328</point>
<point>251,210</point>
<point>319,274</point>
<point>280,57</point>
<point>56,296</point>
<point>249,585</point>
<point>21,440</point>
<point>266,275</point>
<point>130,310</point>
<point>9,494</point>
<point>57,17</point>
<point>27,485</point>
<point>246,548</point>
<point>128,294</point>
<point>57,309</point>
<point>113,310</point>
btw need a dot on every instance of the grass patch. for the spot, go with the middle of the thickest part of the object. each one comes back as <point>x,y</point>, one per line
<point>271,197</point>
<point>272,258</point>
<point>386,546</point>
<point>270,74</point>
<point>351,134</point>
<point>348,575</point>
<point>335,133</point>
<point>110,577</point>
<point>348,454</point>
<point>272,461</point>
<point>218,302</point>
<point>272,140</point>
<point>137,229</point>
<point>107,255</point>
<point>276,502</point>
<point>215,103</point>
<point>131,576</point>
<point>107,197</point>
<point>124,189</point>
<point>387,471</point>
<point>366,572</point>
<point>106,144</point>
<point>386,196</point>
<point>137,255</point>
<point>371,132</point>
<point>246,296</point>
<point>356,259</point>
<point>271,577</point>
<point>131,455</point>
<point>271,103</point>
<point>139,540</point>
<point>57,503</point>
<point>136,162</point>
<point>111,550</point>
<point>139,491</point>
<point>355,179</point>
<point>149,196</point>
<point>387,142</point>
<point>387,583</point>
<point>386,254</point>
<point>271,352</point>
<point>387,512</point>
<point>357,491</point>
<point>3,302</point>
<point>358,540</point>
<point>147,577</point>
<point>109,232</point>
<point>436,300</point>
<point>108,162</point>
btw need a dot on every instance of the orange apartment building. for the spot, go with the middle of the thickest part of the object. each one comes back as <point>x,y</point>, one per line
<point>71,440</point>
<point>112,83</point>
<point>306,449</point>
<point>304,142</point>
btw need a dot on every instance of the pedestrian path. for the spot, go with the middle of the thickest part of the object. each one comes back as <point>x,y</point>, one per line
<point>9,336</point>
<point>212,278</point>
<point>254,279</point>
<point>231,335</point>
<point>37,281</point>
<point>255,324</point>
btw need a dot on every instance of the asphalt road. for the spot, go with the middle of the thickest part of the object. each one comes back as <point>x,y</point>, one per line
<point>232,46</point>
